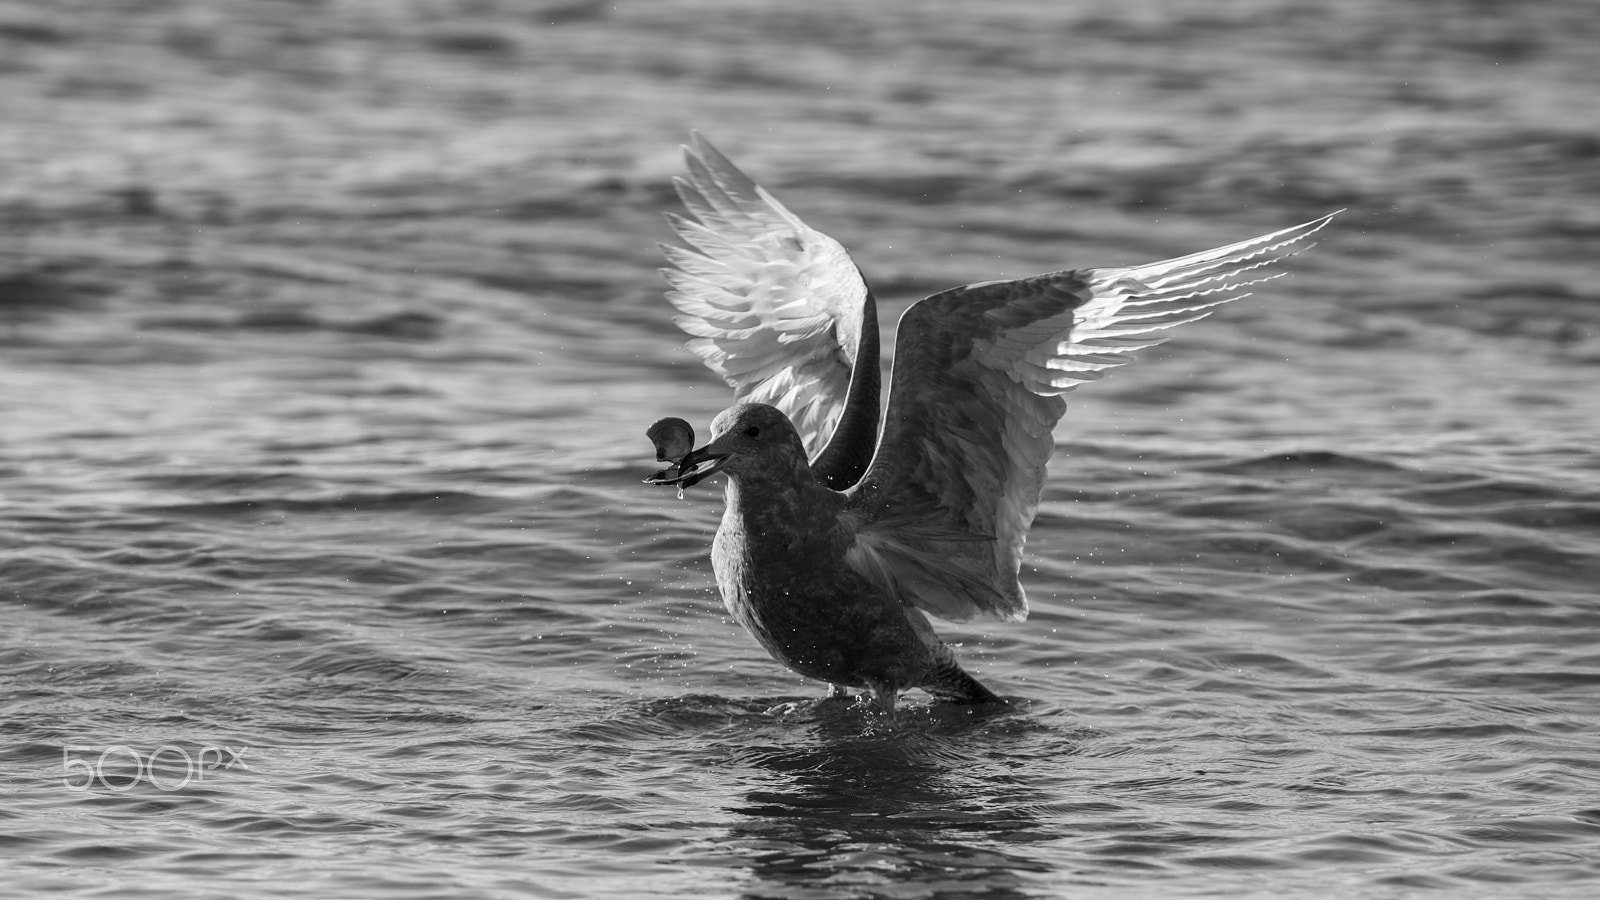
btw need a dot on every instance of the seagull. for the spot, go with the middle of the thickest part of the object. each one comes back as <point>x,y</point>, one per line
<point>842,534</point>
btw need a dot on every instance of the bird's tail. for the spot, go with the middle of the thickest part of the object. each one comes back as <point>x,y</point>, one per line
<point>952,684</point>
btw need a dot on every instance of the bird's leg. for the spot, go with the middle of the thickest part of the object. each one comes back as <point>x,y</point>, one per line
<point>883,695</point>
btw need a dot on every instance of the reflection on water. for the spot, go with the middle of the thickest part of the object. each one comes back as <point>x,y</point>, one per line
<point>921,807</point>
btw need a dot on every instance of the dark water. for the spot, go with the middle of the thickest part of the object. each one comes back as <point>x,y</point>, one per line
<point>329,332</point>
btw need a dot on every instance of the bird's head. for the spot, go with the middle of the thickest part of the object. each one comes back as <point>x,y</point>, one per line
<point>748,438</point>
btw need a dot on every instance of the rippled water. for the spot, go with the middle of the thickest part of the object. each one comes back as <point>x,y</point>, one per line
<point>329,332</point>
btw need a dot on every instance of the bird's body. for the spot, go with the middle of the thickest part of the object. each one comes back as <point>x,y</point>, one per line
<point>780,558</point>
<point>838,534</point>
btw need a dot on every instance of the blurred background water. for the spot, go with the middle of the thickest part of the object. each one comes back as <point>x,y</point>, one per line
<point>329,332</point>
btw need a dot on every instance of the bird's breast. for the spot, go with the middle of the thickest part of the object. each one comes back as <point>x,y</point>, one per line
<point>796,595</point>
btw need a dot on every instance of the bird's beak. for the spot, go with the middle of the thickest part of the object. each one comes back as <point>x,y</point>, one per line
<point>695,466</point>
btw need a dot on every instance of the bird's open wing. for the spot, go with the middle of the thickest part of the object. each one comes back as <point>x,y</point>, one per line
<point>774,306</point>
<point>942,513</point>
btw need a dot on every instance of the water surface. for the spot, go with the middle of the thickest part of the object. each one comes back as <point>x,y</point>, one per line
<point>329,333</point>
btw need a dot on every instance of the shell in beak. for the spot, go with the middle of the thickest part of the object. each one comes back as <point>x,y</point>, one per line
<point>673,437</point>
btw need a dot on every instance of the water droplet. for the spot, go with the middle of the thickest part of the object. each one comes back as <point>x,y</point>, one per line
<point>680,492</point>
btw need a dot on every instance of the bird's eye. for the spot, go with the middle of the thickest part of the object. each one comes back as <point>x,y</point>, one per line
<point>753,431</point>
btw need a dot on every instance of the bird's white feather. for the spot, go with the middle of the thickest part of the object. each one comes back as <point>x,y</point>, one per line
<point>773,306</point>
